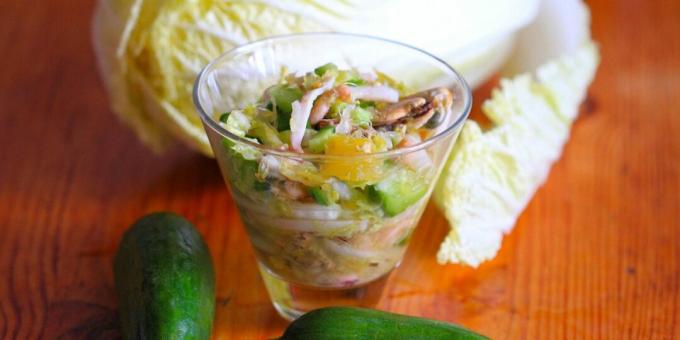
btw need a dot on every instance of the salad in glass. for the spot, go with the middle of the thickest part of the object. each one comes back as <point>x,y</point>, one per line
<point>330,154</point>
<point>344,221</point>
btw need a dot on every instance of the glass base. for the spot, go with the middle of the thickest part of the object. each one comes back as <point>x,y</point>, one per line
<point>292,300</point>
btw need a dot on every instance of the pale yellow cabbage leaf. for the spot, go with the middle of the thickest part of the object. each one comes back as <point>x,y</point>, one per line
<point>492,174</point>
<point>150,51</point>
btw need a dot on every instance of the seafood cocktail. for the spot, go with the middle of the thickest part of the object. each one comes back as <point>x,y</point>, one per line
<point>331,164</point>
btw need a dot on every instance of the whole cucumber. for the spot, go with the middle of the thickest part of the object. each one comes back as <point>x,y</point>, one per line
<point>359,323</point>
<point>165,280</point>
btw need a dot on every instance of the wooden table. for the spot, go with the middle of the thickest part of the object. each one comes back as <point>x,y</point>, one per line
<point>596,254</point>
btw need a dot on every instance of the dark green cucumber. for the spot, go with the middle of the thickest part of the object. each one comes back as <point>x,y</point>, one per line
<point>165,280</point>
<point>358,323</point>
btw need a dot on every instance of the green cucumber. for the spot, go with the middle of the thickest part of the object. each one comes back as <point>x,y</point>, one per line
<point>398,191</point>
<point>283,121</point>
<point>165,280</point>
<point>320,196</point>
<point>317,144</point>
<point>321,70</point>
<point>284,136</point>
<point>282,98</point>
<point>266,134</point>
<point>358,323</point>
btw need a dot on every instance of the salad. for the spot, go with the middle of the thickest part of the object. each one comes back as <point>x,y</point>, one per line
<point>323,200</point>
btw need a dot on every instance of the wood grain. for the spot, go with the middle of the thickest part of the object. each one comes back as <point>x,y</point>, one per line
<point>595,255</point>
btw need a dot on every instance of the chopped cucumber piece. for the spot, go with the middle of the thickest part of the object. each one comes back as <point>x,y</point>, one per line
<point>261,186</point>
<point>283,121</point>
<point>320,196</point>
<point>321,70</point>
<point>373,195</point>
<point>224,116</point>
<point>317,144</point>
<point>282,98</point>
<point>365,104</point>
<point>285,136</point>
<point>309,134</point>
<point>398,191</point>
<point>265,133</point>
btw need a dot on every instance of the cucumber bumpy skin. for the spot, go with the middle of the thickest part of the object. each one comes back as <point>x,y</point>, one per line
<point>358,323</point>
<point>165,280</point>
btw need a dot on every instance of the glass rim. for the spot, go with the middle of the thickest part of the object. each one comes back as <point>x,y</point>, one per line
<point>213,124</point>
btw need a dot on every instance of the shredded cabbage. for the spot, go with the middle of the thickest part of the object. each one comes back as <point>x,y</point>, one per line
<point>380,93</point>
<point>301,109</point>
<point>345,125</point>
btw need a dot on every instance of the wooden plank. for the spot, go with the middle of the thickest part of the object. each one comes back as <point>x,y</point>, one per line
<point>596,254</point>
